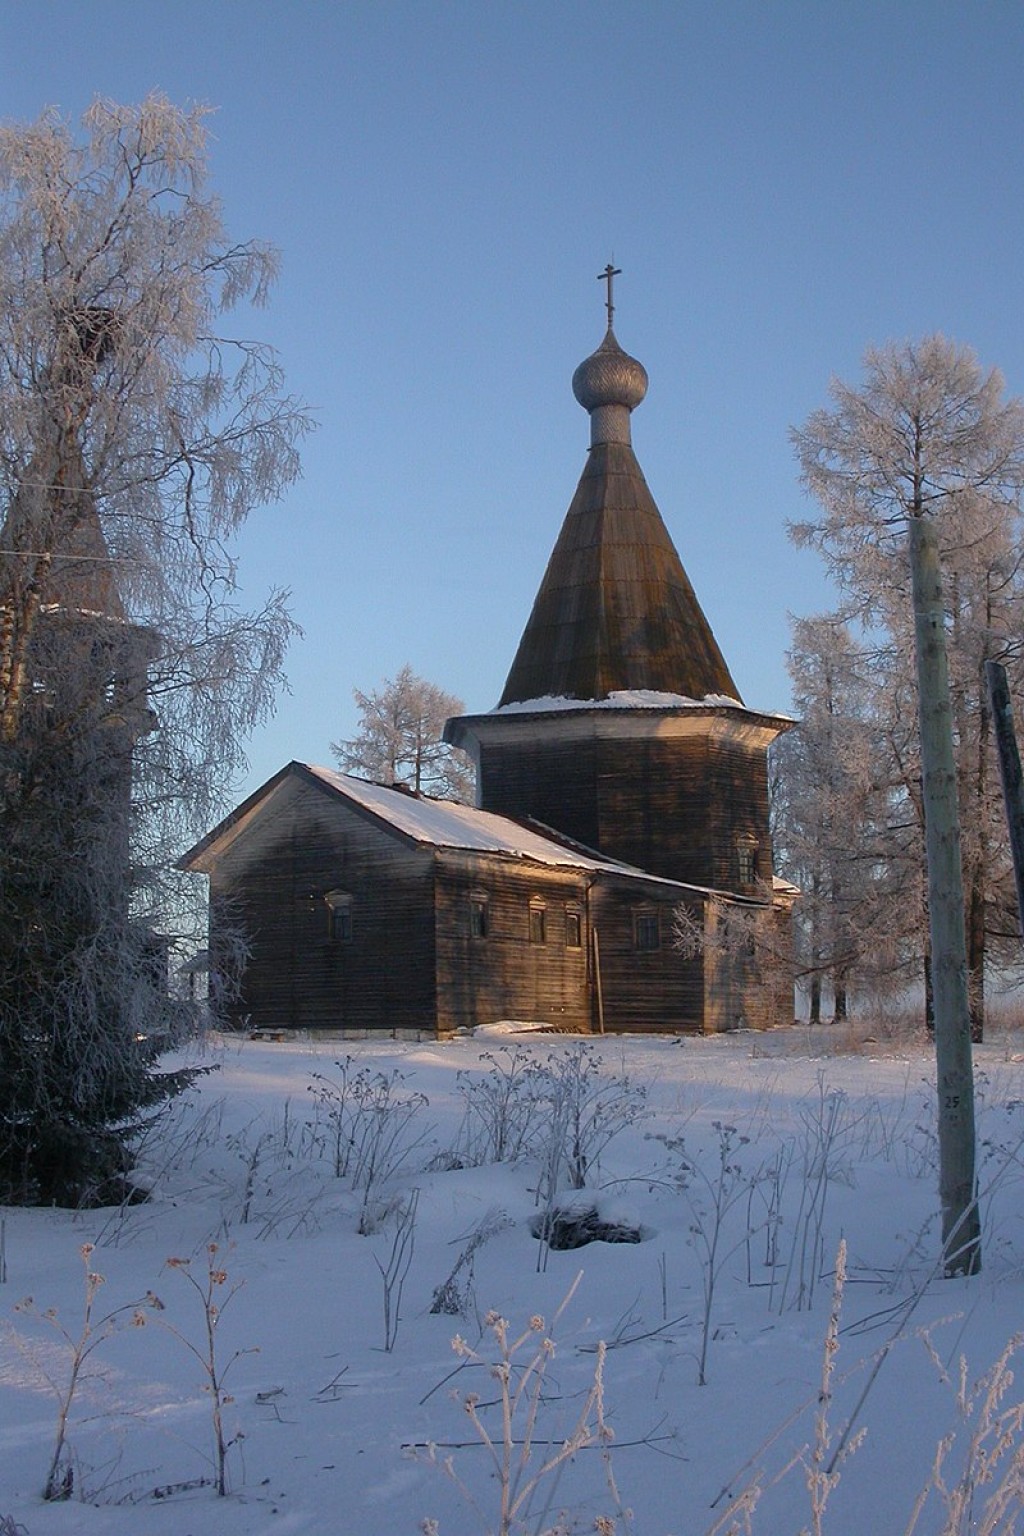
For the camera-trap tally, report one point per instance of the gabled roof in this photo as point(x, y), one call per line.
point(424, 822)
point(615, 611)
point(448, 824)
point(417, 819)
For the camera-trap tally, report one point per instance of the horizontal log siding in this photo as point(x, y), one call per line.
point(553, 781)
point(747, 991)
point(647, 991)
point(676, 808)
point(297, 977)
point(503, 975)
point(737, 791)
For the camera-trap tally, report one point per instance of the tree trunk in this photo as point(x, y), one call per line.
point(1009, 772)
point(977, 894)
point(976, 956)
point(961, 1234)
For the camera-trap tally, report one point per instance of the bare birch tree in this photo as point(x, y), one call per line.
point(136, 433)
point(399, 741)
point(897, 466)
point(830, 823)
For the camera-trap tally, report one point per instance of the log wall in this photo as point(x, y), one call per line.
point(505, 973)
point(272, 882)
point(649, 990)
point(675, 808)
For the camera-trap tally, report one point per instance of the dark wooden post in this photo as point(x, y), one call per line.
point(1009, 772)
point(597, 981)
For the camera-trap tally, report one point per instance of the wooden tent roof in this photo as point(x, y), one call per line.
point(82, 577)
point(615, 611)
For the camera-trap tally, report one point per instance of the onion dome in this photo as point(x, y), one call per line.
point(609, 384)
point(609, 376)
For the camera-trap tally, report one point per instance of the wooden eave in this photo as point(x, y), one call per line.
point(474, 858)
point(616, 610)
point(582, 720)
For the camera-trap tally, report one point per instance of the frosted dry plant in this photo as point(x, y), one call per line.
point(499, 1114)
point(590, 1107)
point(527, 1455)
point(373, 1127)
point(986, 1496)
point(825, 1158)
point(395, 1268)
point(271, 1186)
point(820, 1459)
point(78, 1348)
point(214, 1293)
point(455, 1295)
point(712, 1194)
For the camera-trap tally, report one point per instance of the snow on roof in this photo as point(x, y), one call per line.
point(447, 824)
point(635, 698)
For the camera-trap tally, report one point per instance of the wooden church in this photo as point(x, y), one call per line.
point(620, 782)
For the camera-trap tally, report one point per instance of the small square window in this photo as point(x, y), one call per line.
point(478, 917)
point(646, 930)
point(538, 924)
point(573, 929)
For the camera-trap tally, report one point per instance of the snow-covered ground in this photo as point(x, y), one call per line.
point(800, 1145)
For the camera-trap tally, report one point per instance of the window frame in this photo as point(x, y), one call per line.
point(646, 930)
point(746, 861)
point(479, 917)
point(340, 926)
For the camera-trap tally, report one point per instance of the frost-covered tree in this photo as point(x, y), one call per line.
point(136, 433)
point(829, 819)
point(979, 528)
point(400, 738)
point(915, 472)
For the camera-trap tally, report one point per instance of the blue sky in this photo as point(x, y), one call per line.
point(782, 184)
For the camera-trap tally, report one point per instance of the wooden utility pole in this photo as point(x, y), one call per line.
point(961, 1229)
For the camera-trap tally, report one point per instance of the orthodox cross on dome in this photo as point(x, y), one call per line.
point(607, 276)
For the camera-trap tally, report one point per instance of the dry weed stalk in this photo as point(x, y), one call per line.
point(393, 1273)
point(60, 1477)
point(522, 1477)
point(994, 1458)
point(208, 1290)
point(821, 1470)
point(820, 1461)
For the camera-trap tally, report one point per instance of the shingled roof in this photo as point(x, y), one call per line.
point(615, 611)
